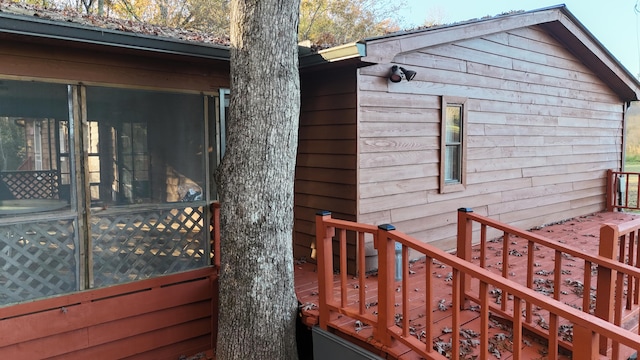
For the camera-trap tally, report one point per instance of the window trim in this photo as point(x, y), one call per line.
point(462, 184)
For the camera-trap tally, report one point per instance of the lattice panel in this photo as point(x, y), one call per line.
point(37, 260)
point(139, 245)
point(32, 184)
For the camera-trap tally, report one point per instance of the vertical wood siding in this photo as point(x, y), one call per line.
point(542, 131)
point(326, 161)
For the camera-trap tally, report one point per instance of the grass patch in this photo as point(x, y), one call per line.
point(633, 181)
point(632, 166)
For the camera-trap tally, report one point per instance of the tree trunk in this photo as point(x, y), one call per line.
point(258, 306)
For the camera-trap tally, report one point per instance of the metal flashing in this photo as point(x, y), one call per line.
point(353, 50)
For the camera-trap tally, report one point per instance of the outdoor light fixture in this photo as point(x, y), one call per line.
point(409, 74)
point(398, 73)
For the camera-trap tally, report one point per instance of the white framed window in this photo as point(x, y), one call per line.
point(453, 144)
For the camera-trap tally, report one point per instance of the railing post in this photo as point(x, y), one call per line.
point(465, 233)
point(215, 222)
point(585, 343)
point(605, 282)
point(611, 195)
point(324, 236)
point(386, 283)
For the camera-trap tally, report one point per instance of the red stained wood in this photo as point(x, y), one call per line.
point(167, 317)
point(408, 296)
point(78, 316)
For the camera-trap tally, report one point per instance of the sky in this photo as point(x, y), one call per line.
point(614, 23)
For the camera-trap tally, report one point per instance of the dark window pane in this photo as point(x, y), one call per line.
point(452, 163)
point(156, 148)
point(33, 138)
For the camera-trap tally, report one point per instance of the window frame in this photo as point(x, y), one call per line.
point(461, 184)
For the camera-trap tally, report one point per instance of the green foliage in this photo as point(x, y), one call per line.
point(12, 144)
point(633, 135)
point(632, 167)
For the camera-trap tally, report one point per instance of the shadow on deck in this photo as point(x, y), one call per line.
point(425, 304)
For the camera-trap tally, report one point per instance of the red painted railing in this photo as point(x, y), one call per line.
point(470, 283)
point(166, 317)
point(622, 190)
point(609, 294)
point(215, 233)
point(619, 243)
point(326, 228)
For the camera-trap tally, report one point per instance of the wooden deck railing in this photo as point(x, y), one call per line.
point(469, 283)
point(622, 190)
point(326, 228)
point(215, 233)
point(618, 242)
point(167, 317)
point(606, 300)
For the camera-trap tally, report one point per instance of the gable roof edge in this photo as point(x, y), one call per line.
point(558, 20)
point(596, 56)
point(385, 49)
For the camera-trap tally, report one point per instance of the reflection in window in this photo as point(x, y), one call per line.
point(218, 110)
point(147, 147)
point(38, 254)
point(33, 134)
point(142, 156)
point(453, 144)
point(147, 170)
point(452, 161)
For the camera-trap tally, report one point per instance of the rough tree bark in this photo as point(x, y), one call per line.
point(258, 306)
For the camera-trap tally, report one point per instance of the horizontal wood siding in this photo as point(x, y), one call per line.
point(102, 65)
point(542, 131)
point(327, 154)
point(160, 318)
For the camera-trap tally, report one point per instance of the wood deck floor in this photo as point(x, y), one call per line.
point(581, 232)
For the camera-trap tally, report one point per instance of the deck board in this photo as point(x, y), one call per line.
point(582, 232)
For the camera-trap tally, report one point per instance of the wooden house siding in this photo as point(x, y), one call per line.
point(327, 153)
point(94, 65)
point(542, 130)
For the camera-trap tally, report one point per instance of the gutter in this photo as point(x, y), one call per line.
point(355, 50)
point(67, 31)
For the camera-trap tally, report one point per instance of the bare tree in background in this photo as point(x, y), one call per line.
point(335, 22)
point(323, 22)
point(258, 306)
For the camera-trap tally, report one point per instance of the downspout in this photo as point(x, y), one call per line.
point(625, 111)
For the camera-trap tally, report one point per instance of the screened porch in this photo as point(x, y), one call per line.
point(103, 185)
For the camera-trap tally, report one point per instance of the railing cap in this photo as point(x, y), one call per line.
point(387, 227)
point(467, 210)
